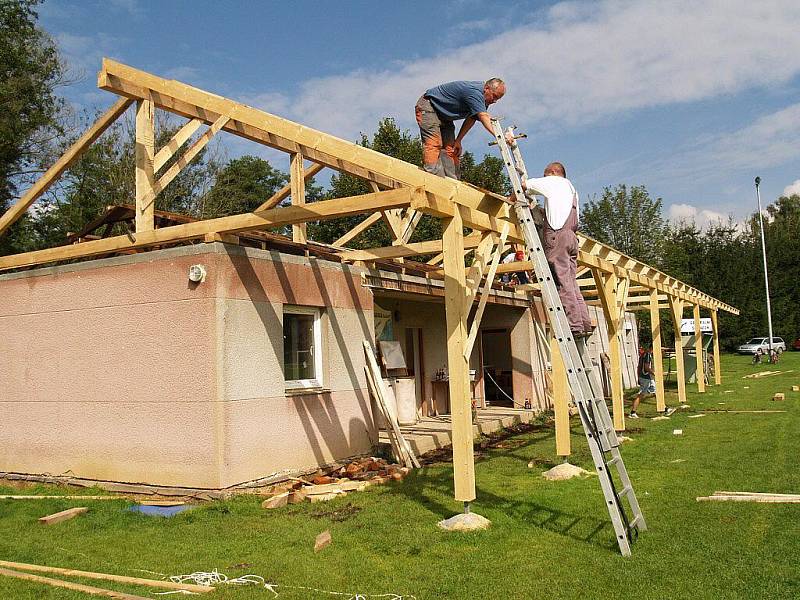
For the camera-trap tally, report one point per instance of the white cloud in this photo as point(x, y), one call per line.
point(688, 213)
point(84, 53)
point(792, 189)
point(581, 62)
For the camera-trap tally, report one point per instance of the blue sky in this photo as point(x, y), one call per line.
point(691, 99)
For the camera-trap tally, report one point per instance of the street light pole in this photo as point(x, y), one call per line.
point(764, 254)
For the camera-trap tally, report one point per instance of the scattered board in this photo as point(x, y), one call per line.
point(751, 497)
point(166, 585)
point(78, 587)
point(64, 515)
point(323, 540)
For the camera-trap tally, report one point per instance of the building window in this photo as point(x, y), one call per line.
point(302, 347)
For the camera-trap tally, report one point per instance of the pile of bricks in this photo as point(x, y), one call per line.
point(341, 480)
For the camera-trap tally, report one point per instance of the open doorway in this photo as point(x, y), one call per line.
point(497, 367)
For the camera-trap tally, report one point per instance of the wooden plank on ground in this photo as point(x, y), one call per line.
point(154, 583)
point(64, 515)
point(77, 587)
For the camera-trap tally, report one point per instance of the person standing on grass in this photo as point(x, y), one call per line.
point(436, 110)
point(560, 241)
point(647, 381)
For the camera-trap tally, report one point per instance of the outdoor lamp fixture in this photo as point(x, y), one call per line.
point(764, 253)
point(197, 273)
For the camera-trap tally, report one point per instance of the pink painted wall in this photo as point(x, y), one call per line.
point(122, 370)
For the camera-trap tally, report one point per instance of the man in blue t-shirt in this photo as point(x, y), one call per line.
point(436, 110)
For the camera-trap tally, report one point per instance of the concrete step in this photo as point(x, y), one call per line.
point(431, 433)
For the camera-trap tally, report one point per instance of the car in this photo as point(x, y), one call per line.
point(796, 345)
point(762, 343)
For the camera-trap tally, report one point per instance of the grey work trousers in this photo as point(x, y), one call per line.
point(561, 250)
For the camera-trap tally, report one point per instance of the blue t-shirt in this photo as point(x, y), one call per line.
point(458, 99)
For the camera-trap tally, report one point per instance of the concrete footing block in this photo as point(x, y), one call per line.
point(465, 522)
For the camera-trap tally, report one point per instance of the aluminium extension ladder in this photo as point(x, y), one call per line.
point(584, 382)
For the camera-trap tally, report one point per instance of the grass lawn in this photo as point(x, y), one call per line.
point(548, 540)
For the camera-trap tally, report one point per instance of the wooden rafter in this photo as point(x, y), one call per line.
point(179, 139)
point(288, 136)
point(62, 164)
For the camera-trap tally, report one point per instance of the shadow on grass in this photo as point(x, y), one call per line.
point(427, 487)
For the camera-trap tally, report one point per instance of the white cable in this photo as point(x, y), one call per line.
point(501, 389)
point(210, 578)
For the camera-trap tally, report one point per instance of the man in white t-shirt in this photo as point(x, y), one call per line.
point(561, 242)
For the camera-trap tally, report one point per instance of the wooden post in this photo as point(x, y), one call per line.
point(297, 184)
point(456, 311)
point(658, 360)
point(561, 396)
point(700, 373)
point(717, 365)
point(676, 308)
point(613, 295)
point(145, 156)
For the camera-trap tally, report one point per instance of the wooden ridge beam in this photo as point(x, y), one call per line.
point(74, 152)
point(288, 136)
point(274, 217)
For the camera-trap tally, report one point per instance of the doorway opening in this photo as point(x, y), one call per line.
point(497, 367)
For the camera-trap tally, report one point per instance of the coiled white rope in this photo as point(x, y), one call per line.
point(211, 578)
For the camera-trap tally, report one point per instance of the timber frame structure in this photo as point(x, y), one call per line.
point(401, 194)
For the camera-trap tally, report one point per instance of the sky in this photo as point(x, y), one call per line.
point(690, 99)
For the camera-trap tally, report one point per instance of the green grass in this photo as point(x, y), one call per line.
point(548, 540)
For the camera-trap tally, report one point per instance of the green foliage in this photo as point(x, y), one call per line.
point(627, 219)
point(489, 174)
point(241, 186)
point(30, 70)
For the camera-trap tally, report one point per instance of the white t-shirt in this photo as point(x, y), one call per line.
point(557, 192)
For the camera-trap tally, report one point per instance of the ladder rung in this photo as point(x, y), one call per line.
point(625, 491)
point(613, 461)
point(636, 521)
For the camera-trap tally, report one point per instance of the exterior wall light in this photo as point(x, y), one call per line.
point(197, 273)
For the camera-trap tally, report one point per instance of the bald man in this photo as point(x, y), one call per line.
point(436, 110)
point(560, 241)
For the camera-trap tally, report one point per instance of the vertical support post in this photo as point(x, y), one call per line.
point(297, 185)
point(658, 360)
point(717, 365)
point(456, 312)
point(145, 155)
point(700, 374)
point(676, 308)
point(561, 396)
point(613, 292)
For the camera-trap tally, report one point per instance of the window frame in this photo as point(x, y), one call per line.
point(317, 382)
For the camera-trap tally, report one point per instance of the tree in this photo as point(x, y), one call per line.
point(30, 70)
point(241, 186)
point(627, 219)
point(104, 176)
